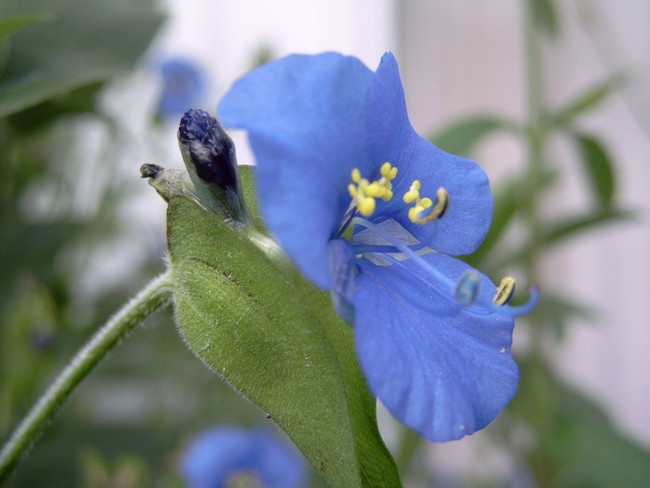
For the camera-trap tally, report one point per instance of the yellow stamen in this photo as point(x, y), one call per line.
point(367, 206)
point(505, 291)
point(413, 193)
point(422, 212)
point(364, 192)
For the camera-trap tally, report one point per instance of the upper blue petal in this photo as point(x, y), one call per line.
point(392, 138)
point(437, 367)
point(306, 122)
point(311, 120)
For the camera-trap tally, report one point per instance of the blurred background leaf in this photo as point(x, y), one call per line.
point(464, 135)
point(86, 42)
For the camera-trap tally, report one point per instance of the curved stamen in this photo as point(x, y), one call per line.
point(505, 291)
point(479, 306)
point(425, 210)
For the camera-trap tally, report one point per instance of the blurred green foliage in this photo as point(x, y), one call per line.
point(55, 59)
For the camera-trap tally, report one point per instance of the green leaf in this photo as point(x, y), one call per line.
point(575, 443)
point(463, 136)
point(586, 101)
point(89, 41)
point(568, 226)
point(247, 177)
point(9, 25)
point(507, 201)
point(277, 341)
point(598, 168)
point(562, 229)
point(557, 312)
point(582, 447)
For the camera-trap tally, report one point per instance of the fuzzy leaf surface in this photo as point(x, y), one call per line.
point(272, 338)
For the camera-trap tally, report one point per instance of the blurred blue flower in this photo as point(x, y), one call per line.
point(225, 457)
point(370, 210)
point(183, 86)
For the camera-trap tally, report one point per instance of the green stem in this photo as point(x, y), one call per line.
point(536, 142)
point(536, 138)
point(154, 296)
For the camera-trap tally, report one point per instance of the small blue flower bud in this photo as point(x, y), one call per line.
point(209, 156)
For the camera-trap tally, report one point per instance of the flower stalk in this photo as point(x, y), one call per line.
point(535, 137)
point(154, 296)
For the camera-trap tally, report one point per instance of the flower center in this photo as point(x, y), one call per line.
point(363, 192)
point(465, 291)
point(243, 479)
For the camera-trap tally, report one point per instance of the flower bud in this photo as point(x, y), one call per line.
point(209, 156)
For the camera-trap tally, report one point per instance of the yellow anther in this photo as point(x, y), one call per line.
point(425, 202)
point(388, 171)
point(424, 210)
point(413, 194)
point(414, 212)
point(374, 189)
point(364, 192)
point(366, 206)
point(505, 291)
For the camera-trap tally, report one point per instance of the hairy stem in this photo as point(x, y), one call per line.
point(152, 297)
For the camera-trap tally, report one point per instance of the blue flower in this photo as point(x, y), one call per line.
point(230, 456)
point(183, 87)
point(368, 209)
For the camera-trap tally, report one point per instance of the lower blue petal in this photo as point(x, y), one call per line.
point(440, 369)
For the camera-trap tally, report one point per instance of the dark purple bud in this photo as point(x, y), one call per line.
point(209, 156)
point(211, 151)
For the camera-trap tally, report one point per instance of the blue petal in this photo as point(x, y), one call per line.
point(184, 85)
point(219, 453)
point(306, 118)
point(280, 464)
point(438, 368)
point(215, 454)
point(343, 271)
point(468, 217)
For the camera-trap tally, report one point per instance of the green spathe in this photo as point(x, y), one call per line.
point(275, 339)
